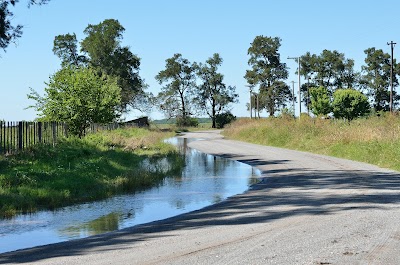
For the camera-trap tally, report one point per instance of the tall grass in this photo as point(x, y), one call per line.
point(374, 140)
point(80, 170)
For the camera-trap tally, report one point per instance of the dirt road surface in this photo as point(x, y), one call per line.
point(307, 209)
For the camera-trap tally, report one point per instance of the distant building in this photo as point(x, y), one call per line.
point(140, 122)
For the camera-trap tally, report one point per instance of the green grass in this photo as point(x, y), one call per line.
point(81, 170)
point(375, 140)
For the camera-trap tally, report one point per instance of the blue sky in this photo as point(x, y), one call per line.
point(156, 29)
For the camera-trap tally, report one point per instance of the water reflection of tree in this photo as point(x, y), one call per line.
point(106, 223)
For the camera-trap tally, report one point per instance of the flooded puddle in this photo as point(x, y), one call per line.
point(205, 180)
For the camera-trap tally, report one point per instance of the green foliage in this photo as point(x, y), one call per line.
point(349, 104)
point(212, 95)
point(187, 122)
point(81, 170)
point(320, 101)
point(66, 48)
point(103, 51)
point(376, 78)
point(223, 119)
point(79, 97)
point(330, 69)
point(176, 95)
point(268, 72)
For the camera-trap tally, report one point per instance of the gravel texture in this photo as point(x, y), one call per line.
point(307, 209)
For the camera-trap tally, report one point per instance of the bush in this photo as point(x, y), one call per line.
point(349, 104)
point(187, 122)
point(223, 119)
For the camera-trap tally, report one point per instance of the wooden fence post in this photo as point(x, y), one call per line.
point(40, 131)
point(54, 128)
point(20, 135)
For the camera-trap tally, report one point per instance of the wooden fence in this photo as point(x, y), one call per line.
point(15, 136)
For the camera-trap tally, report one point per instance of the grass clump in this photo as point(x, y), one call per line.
point(375, 140)
point(81, 170)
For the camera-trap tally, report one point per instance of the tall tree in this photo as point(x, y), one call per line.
point(66, 48)
point(102, 50)
point(268, 71)
point(176, 95)
point(275, 97)
point(376, 78)
point(8, 32)
point(212, 95)
point(330, 69)
point(79, 96)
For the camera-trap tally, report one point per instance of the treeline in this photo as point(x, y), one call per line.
point(332, 84)
point(99, 80)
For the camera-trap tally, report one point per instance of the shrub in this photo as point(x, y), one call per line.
point(349, 104)
point(223, 119)
point(187, 122)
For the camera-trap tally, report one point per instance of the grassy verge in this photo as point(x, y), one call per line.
point(81, 170)
point(375, 140)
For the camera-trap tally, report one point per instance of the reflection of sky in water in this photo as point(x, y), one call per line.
point(205, 180)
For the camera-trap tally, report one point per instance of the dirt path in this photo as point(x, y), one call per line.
point(309, 209)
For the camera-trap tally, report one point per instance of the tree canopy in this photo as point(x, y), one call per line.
point(268, 72)
point(102, 50)
point(212, 95)
point(330, 69)
point(176, 95)
point(79, 96)
point(376, 78)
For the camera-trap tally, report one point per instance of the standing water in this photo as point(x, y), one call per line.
point(205, 180)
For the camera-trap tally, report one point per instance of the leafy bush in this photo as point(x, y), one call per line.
point(320, 101)
point(223, 119)
point(349, 104)
point(187, 122)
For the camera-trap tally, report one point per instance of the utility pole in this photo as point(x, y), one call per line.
point(293, 96)
point(308, 95)
point(391, 76)
point(258, 110)
point(298, 72)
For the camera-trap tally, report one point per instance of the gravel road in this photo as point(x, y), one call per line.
point(307, 209)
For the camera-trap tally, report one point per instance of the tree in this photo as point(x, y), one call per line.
point(8, 32)
point(320, 101)
point(176, 95)
point(349, 104)
point(330, 69)
point(376, 78)
point(275, 97)
point(212, 95)
point(268, 71)
point(79, 96)
point(66, 48)
point(102, 50)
